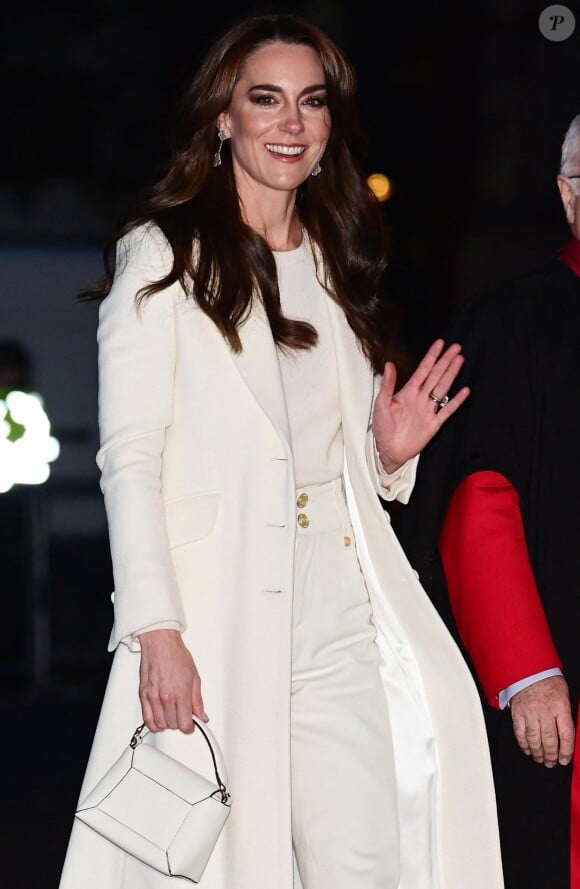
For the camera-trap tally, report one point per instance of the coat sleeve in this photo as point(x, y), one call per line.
point(485, 536)
point(491, 585)
point(136, 346)
point(397, 485)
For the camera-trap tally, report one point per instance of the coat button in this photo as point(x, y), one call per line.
point(347, 541)
point(301, 500)
point(303, 520)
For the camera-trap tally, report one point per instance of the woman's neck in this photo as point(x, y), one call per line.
point(275, 220)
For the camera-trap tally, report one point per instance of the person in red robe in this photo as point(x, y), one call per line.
point(493, 528)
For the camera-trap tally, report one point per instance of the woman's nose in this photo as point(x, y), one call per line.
point(292, 122)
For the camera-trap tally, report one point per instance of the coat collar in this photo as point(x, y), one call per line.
point(570, 254)
point(355, 377)
point(259, 367)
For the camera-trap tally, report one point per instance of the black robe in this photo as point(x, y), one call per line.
point(522, 419)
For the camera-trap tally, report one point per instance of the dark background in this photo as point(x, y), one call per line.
point(465, 104)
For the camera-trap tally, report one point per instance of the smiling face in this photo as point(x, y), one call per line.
point(278, 119)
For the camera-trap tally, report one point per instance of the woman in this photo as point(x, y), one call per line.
point(241, 461)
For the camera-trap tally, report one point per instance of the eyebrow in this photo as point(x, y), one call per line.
point(273, 88)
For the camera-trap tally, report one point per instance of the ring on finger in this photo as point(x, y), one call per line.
point(441, 402)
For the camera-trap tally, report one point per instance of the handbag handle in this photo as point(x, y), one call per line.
point(142, 731)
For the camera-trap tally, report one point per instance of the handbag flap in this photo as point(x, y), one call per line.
point(155, 764)
point(176, 777)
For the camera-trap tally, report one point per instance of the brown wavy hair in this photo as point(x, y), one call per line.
point(195, 203)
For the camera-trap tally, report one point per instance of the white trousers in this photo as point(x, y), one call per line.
point(344, 808)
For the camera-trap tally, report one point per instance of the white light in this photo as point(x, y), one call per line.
point(25, 461)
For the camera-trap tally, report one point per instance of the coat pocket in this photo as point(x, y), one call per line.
point(191, 518)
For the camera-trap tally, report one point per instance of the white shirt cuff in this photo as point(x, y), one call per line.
point(507, 694)
point(132, 641)
point(396, 485)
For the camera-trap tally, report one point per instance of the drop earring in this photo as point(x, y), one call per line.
point(217, 158)
point(316, 170)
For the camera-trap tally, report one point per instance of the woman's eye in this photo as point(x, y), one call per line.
point(316, 101)
point(263, 99)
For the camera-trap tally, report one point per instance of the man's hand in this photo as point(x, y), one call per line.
point(543, 723)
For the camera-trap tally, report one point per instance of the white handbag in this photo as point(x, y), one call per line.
point(158, 810)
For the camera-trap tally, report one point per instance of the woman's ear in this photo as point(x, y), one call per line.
point(223, 125)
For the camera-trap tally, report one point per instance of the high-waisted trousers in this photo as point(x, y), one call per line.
point(344, 807)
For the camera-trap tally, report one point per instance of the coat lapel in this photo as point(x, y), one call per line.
point(259, 367)
point(355, 377)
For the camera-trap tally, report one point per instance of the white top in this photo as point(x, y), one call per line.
point(310, 376)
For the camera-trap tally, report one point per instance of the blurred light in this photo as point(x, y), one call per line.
point(24, 458)
point(381, 185)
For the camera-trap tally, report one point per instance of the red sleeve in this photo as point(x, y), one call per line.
point(492, 591)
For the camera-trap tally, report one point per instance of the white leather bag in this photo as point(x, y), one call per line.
point(158, 810)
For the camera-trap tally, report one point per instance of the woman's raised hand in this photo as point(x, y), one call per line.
point(404, 421)
point(169, 684)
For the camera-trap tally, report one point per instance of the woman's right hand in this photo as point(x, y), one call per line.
point(169, 684)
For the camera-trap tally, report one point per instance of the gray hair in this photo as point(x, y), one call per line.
point(571, 148)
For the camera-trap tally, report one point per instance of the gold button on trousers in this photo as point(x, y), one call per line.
point(344, 808)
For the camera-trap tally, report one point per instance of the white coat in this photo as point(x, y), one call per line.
point(197, 473)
